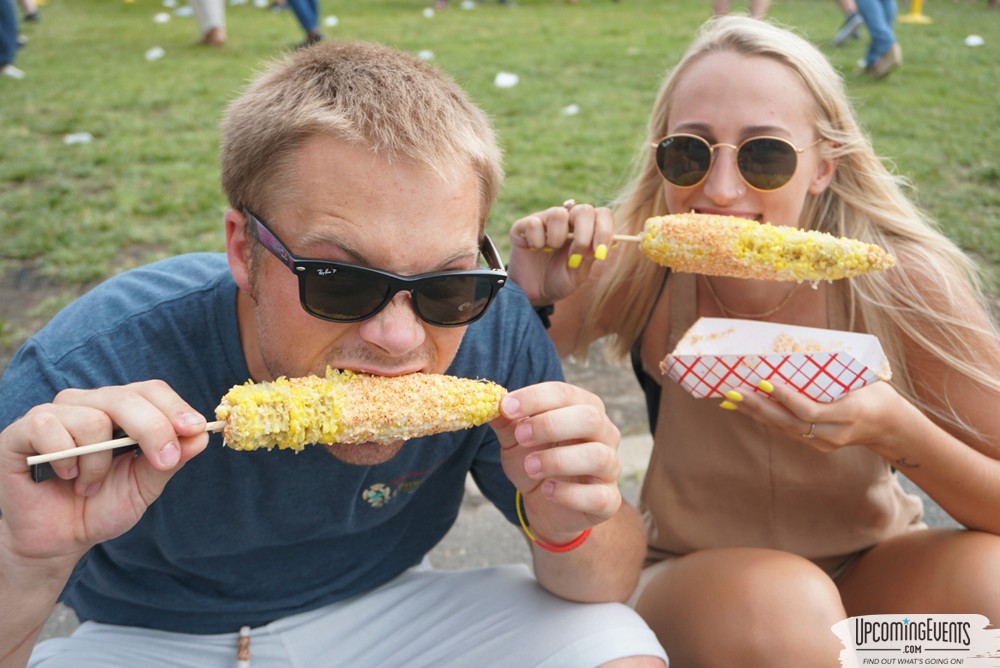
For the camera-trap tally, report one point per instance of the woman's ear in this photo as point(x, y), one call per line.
point(825, 169)
point(239, 242)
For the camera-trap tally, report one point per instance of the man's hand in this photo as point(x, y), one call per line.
point(561, 450)
point(95, 497)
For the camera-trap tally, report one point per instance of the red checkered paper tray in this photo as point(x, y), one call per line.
point(720, 354)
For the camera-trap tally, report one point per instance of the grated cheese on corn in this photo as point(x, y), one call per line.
point(348, 407)
point(743, 248)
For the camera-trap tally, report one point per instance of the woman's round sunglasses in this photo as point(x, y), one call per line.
point(342, 292)
point(765, 163)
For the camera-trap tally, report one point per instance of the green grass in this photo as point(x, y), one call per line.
point(147, 186)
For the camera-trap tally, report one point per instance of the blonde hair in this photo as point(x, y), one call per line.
point(934, 298)
point(361, 93)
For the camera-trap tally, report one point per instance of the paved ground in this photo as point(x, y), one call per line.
point(482, 537)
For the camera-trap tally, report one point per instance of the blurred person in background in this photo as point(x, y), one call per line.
point(758, 8)
point(9, 43)
point(307, 12)
point(211, 17)
point(884, 54)
point(30, 9)
point(851, 26)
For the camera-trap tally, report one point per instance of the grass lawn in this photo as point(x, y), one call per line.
point(146, 186)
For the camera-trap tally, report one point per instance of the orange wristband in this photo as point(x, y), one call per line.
point(521, 517)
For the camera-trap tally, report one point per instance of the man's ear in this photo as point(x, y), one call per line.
point(239, 242)
point(825, 170)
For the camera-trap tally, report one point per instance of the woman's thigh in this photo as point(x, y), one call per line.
point(772, 609)
point(943, 571)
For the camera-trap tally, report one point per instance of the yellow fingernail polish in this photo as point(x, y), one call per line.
point(601, 252)
point(574, 260)
point(728, 405)
point(765, 386)
point(733, 395)
point(547, 249)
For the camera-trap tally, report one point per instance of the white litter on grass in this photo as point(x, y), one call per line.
point(974, 40)
point(169, 3)
point(468, 4)
point(184, 11)
point(571, 110)
point(331, 21)
point(155, 53)
point(426, 54)
point(428, 13)
point(505, 80)
point(260, 4)
point(78, 138)
point(162, 17)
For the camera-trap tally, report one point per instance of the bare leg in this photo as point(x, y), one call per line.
point(211, 17)
point(936, 571)
point(30, 9)
point(758, 8)
point(744, 607)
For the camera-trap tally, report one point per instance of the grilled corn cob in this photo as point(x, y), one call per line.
point(348, 407)
point(742, 248)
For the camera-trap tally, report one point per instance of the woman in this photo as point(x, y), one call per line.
point(771, 517)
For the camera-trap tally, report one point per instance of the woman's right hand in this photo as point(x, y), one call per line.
point(553, 251)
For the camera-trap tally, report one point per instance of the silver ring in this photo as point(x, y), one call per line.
point(569, 204)
point(812, 431)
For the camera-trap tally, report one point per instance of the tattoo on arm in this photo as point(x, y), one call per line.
point(902, 463)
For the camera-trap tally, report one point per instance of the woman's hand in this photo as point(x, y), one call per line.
point(869, 416)
point(546, 262)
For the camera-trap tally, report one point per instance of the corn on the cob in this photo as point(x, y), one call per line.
point(742, 248)
point(348, 407)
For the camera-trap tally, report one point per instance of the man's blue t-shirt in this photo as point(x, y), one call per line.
point(243, 538)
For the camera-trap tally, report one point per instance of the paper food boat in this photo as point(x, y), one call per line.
point(719, 354)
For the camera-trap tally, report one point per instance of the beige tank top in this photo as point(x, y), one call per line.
point(717, 478)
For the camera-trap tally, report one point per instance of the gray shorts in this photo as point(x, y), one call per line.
point(479, 617)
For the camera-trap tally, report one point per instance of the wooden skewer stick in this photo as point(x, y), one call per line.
point(218, 425)
point(619, 237)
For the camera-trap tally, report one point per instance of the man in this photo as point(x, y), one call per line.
point(343, 153)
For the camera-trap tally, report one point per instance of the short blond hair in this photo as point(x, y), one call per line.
point(363, 94)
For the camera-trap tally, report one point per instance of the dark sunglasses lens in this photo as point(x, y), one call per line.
point(683, 161)
point(343, 293)
point(453, 300)
point(767, 164)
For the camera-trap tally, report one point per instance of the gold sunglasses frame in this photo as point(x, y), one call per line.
point(736, 147)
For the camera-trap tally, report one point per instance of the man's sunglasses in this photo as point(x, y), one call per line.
point(342, 292)
point(765, 163)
